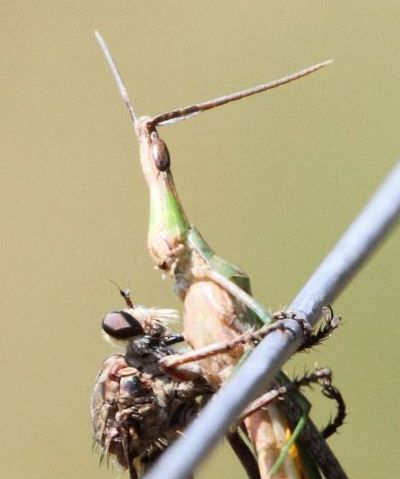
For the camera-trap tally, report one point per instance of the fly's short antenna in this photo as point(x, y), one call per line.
point(125, 293)
point(118, 79)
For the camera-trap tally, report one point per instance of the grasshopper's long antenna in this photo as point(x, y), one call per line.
point(192, 110)
point(118, 79)
point(189, 111)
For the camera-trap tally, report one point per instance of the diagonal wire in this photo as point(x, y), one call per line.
point(343, 261)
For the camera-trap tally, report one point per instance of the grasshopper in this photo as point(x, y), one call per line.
point(218, 306)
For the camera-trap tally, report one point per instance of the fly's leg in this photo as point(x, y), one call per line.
point(332, 392)
point(171, 339)
point(171, 364)
point(318, 335)
point(322, 376)
point(128, 459)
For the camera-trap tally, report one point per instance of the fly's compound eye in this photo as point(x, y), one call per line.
point(159, 152)
point(121, 325)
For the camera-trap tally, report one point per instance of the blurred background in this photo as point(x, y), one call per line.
point(271, 182)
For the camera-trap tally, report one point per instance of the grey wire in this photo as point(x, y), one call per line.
point(355, 246)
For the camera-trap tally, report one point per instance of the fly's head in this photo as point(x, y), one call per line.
point(121, 327)
point(131, 324)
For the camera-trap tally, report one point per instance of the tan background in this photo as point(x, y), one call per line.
point(271, 182)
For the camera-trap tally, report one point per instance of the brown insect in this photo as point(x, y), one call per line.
point(137, 410)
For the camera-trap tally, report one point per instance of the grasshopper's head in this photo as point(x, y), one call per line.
point(156, 149)
point(169, 227)
point(154, 154)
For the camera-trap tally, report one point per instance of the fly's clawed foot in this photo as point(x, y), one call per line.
point(302, 322)
point(312, 336)
point(323, 330)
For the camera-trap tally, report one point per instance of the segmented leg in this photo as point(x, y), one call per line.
point(321, 376)
point(329, 323)
point(332, 392)
point(171, 363)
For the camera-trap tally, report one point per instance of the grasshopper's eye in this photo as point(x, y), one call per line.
point(121, 325)
point(159, 152)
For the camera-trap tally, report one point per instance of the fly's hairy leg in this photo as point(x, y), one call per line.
point(249, 338)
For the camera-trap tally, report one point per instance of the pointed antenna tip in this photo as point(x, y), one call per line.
point(320, 65)
point(117, 77)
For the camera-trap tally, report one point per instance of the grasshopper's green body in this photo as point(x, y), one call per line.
point(211, 312)
point(229, 270)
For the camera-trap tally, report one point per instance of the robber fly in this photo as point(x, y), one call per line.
point(137, 410)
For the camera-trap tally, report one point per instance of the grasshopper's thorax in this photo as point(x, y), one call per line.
point(168, 225)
